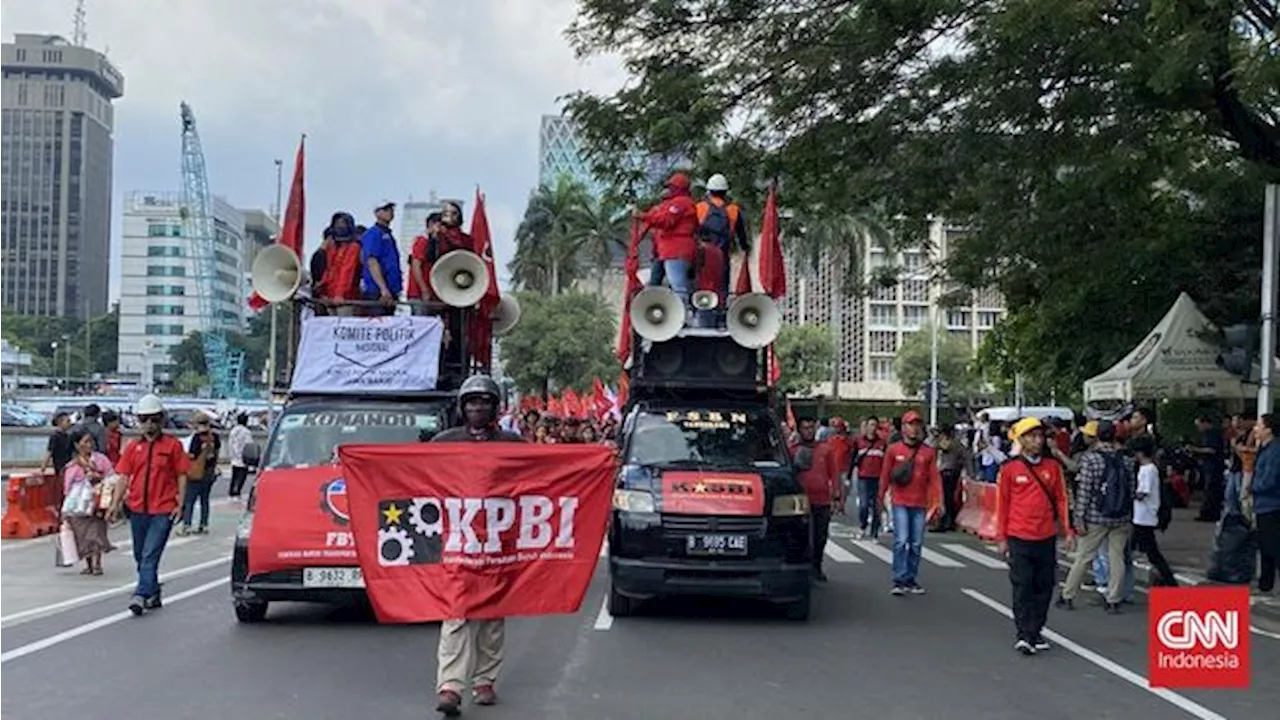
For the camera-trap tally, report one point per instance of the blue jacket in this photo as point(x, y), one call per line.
point(1266, 479)
point(378, 242)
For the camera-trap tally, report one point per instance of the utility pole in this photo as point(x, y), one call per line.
point(1270, 259)
point(88, 343)
point(837, 333)
point(271, 349)
point(936, 297)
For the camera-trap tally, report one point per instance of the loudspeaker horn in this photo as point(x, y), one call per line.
point(505, 315)
point(706, 300)
point(657, 314)
point(754, 320)
point(460, 278)
point(277, 273)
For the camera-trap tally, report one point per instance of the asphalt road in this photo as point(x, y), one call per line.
point(865, 653)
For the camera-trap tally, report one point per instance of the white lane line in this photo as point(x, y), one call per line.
point(982, 559)
point(1264, 633)
point(19, 617)
point(87, 628)
point(1173, 698)
point(46, 540)
point(840, 555)
point(604, 549)
point(876, 549)
point(938, 558)
point(604, 620)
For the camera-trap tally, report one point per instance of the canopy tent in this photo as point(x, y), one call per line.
point(1174, 361)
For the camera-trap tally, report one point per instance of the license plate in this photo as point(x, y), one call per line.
point(332, 577)
point(716, 544)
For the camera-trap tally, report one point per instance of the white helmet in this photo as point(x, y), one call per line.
point(717, 183)
point(148, 405)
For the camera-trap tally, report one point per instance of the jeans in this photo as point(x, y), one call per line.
point(1033, 566)
point(908, 538)
point(868, 489)
point(950, 498)
point(150, 533)
point(197, 490)
point(1102, 572)
point(239, 474)
point(676, 273)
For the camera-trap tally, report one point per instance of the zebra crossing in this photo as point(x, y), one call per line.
point(950, 555)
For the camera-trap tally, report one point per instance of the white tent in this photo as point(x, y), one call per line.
point(1174, 361)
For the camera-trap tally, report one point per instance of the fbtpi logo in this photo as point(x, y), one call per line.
point(1198, 637)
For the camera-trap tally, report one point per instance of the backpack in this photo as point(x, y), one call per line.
point(251, 454)
point(1115, 495)
point(716, 223)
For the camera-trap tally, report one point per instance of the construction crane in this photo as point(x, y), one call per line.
point(222, 362)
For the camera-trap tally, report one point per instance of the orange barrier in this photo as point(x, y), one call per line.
point(34, 505)
point(978, 513)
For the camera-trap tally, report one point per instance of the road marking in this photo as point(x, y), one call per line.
point(1265, 633)
point(604, 549)
point(45, 540)
point(840, 555)
point(1107, 664)
point(982, 559)
point(604, 620)
point(87, 628)
point(55, 608)
point(938, 558)
point(876, 549)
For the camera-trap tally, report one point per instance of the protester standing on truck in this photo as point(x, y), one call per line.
point(910, 472)
point(820, 477)
point(380, 258)
point(721, 219)
point(471, 650)
point(674, 220)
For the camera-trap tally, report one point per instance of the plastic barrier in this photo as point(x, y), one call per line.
point(978, 513)
point(34, 503)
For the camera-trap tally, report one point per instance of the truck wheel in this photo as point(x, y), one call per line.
point(799, 609)
point(251, 611)
point(620, 605)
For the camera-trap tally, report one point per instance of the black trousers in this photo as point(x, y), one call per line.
point(1033, 568)
point(238, 476)
point(821, 530)
point(1269, 548)
point(1215, 489)
point(950, 498)
point(1144, 540)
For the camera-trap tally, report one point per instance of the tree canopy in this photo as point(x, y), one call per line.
point(913, 364)
point(804, 354)
point(1101, 156)
point(561, 341)
point(565, 233)
point(36, 335)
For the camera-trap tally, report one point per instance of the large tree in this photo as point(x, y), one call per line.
point(562, 341)
point(913, 364)
point(804, 354)
point(1103, 156)
point(565, 234)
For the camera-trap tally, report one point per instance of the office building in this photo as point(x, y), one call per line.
point(55, 176)
point(412, 217)
point(560, 155)
point(160, 281)
point(260, 230)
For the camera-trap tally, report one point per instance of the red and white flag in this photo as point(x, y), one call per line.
point(482, 328)
point(763, 270)
point(291, 232)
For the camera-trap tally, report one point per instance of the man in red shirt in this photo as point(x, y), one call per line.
point(819, 476)
point(153, 473)
point(675, 219)
point(911, 471)
point(1031, 512)
point(864, 472)
point(424, 253)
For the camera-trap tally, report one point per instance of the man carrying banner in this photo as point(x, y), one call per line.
point(472, 647)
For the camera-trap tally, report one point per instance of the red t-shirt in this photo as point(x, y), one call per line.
point(870, 455)
point(821, 479)
point(153, 467)
point(925, 488)
point(419, 253)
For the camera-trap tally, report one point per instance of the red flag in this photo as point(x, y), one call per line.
point(600, 398)
point(624, 390)
point(482, 328)
point(295, 213)
point(775, 370)
point(572, 404)
point(632, 267)
point(791, 417)
point(555, 408)
point(763, 268)
point(445, 532)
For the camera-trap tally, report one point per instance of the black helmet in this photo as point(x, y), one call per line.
point(479, 385)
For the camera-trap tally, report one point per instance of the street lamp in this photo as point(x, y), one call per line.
point(54, 346)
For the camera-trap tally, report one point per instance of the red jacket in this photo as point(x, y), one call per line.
point(821, 481)
point(675, 221)
point(1023, 510)
point(870, 454)
point(153, 467)
point(925, 488)
point(342, 267)
point(842, 447)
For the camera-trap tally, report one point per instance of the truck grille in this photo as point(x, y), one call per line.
point(679, 526)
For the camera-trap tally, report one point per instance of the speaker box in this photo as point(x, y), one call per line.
point(698, 361)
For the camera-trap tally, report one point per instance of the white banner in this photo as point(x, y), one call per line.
point(363, 354)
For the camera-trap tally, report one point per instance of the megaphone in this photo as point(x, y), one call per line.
point(277, 273)
point(706, 300)
point(657, 314)
point(505, 315)
point(753, 320)
point(460, 278)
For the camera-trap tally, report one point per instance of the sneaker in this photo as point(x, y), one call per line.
point(915, 589)
point(1064, 603)
point(1040, 644)
point(1088, 586)
point(153, 602)
point(449, 703)
point(861, 534)
point(1113, 608)
point(1025, 648)
point(898, 590)
point(137, 605)
point(181, 530)
point(202, 530)
point(484, 695)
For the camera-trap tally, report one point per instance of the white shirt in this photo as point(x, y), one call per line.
point(1146, 511)
point(240, 437)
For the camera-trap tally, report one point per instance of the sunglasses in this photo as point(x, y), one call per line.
point(150, 418)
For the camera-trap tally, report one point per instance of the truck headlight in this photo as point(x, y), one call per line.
point(791, 505)
point(637, 501)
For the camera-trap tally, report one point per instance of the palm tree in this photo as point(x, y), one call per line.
point(840, 239)
point(550, 237)
point(604, 225)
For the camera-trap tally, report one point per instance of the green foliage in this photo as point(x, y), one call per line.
point(1103, 157)
point(913, 364)
point(564, 234)
point(562, 341)
point(190, 383)
point(188, 355)
point(804, 354)
point(36, 334)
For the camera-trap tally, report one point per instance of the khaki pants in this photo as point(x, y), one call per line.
point(1086, 547)
point(469, 650)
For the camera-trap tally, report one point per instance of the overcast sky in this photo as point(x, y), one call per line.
point(397, 97)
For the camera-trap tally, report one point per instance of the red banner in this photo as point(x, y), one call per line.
point(448, 531)
point(300, 518)
point(708, 493)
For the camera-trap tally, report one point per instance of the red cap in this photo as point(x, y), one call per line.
point(911, 416)
point(678, 180)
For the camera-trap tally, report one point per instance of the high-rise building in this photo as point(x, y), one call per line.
point(412, 217)
point(55, 183)
point(159, 305)
point(560, 154)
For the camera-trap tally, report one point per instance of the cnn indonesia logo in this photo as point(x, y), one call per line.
point(1199, 637)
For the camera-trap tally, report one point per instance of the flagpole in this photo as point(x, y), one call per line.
point(271, 350)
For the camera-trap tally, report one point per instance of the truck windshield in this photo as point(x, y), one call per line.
point(705, 436)
point(309, 434)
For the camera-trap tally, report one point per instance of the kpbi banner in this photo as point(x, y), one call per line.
point(455, 530)
point(368, 354)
